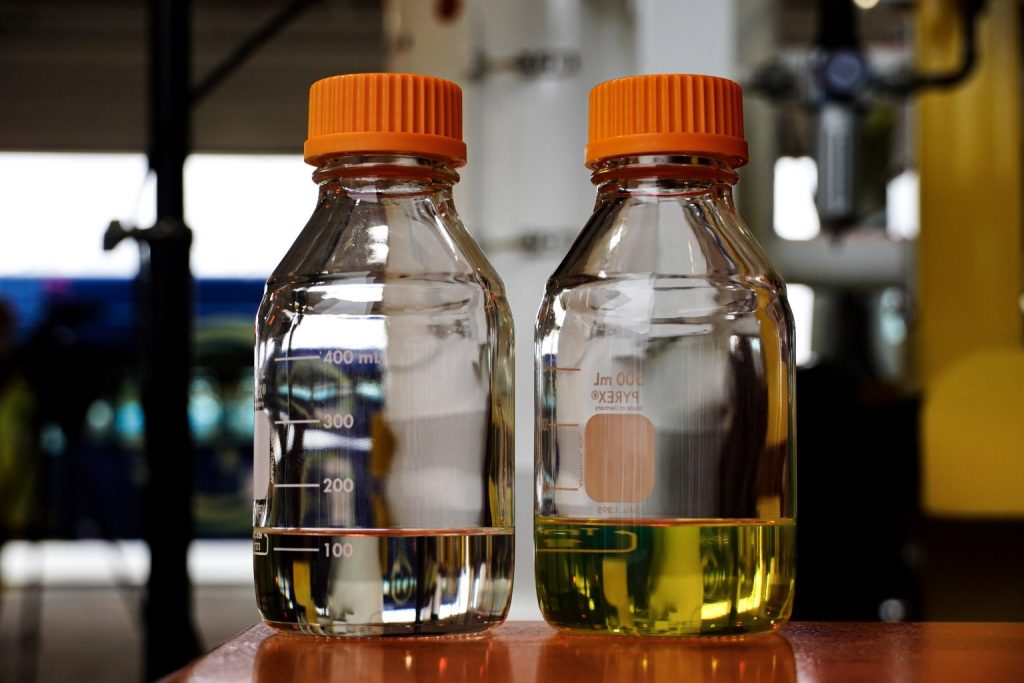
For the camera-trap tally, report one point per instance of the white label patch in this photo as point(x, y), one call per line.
point(260, 455)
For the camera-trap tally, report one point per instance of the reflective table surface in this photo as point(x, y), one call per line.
point(531, 651)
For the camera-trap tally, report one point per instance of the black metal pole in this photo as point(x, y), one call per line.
point(237, 57)
point(165, 330)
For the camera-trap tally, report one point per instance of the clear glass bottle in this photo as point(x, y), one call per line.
point(665, 444)
point(384, 388)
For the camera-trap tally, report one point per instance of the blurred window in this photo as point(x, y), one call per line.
point(55, 208)
point(796, 181)
point(801, 300)
point(902, 206)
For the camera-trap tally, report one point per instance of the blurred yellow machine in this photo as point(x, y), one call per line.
point(970, 356)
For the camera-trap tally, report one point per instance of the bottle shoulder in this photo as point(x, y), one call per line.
point(385, 241)
point(655, 297)
point(697, 238)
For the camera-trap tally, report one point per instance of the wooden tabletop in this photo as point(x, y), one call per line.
point(531, 651)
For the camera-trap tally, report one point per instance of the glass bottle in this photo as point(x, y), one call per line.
point(665, 444)
point(384, 394)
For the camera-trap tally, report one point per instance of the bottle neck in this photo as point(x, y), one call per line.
point(392, 175)
point(663, 175)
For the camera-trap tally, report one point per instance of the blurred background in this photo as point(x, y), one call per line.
point(885, 184)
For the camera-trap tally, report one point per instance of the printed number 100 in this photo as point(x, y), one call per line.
point(338, 549)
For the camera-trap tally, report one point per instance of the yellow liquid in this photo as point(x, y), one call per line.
point(665, 576)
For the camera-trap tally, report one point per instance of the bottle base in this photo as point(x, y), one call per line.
point(676, 578)
point(383, 583)
point(716, 632)
point(345, 630)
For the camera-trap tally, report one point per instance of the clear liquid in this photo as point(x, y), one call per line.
point(665, 577)
point(383, 582)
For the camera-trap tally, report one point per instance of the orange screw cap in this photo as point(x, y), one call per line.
point(667, 114)
point(385, 113)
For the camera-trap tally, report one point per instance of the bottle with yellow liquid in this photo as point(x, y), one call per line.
point(665, 453)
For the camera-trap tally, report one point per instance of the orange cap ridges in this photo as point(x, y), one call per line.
point(667, 114)
point(385, 113)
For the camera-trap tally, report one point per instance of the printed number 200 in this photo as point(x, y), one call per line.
point(338, 485)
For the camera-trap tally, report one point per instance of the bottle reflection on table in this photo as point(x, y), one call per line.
point(602, 659)
point(425, 660)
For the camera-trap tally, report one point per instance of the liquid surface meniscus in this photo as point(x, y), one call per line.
point(670, 577)
point(383, 582)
